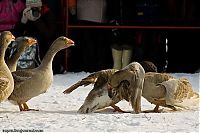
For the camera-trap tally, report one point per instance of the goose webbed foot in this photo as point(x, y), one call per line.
point(30, 110)
point(24, 107)
point(171, 107)
point(117, 109)
point(155, 110)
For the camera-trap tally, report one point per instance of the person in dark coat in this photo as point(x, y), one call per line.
point(40, 22)
point(121, 12)
point(10, 15)
point(91, 44)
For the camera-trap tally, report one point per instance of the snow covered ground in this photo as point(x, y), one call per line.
point(58, 112)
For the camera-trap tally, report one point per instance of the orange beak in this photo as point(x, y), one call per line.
point(13, 38)
point(69, 41)
point(32, 41)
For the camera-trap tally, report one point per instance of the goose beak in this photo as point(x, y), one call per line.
point(12, 38)
point(70, 42)
point(32, 41)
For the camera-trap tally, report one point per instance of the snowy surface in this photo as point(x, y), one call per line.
point(58, 112)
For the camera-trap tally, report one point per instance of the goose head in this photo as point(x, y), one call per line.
point(27, 41)
point(24, 42)
point(62, 42)
point(6, 37)
point(149, 66)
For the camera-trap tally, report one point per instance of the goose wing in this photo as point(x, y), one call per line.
point(97, 78)
point(4, 84)
point(21, 76)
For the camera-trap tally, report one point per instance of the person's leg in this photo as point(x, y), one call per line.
point(126, 57)
point(117, 58)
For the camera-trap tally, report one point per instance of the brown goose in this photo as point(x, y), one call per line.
point(6, 79)
point(127, 84)
point(22, 43)
point(164, 90)
point(33, 82)
point(160, 89)
point(98, 97)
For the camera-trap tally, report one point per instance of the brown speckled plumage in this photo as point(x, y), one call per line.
point(98, 97)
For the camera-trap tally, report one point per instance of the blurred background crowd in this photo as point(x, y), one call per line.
point(171, 50)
